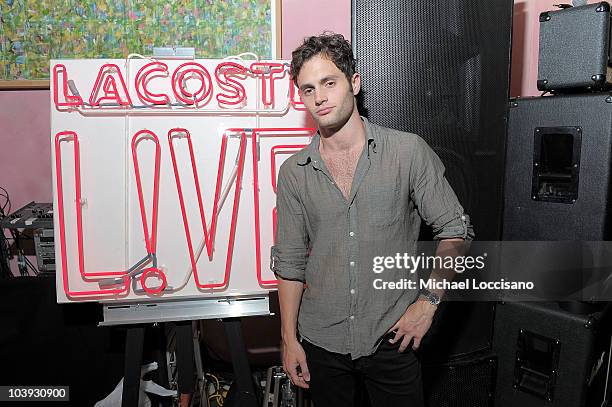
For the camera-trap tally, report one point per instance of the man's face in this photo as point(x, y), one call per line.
point(326, 93)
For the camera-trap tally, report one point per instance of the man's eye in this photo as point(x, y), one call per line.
point(330, 83)
point(307, 92)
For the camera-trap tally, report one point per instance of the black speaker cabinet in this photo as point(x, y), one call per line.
point(467, 382)
point(550, 357)
point(459, 329)
point(440, 68)
point(574, 48)
point(558, 162)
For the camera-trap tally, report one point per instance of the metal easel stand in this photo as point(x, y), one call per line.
point(242, 392)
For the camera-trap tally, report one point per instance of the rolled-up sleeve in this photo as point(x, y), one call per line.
point(289, 254)
point(433, 196)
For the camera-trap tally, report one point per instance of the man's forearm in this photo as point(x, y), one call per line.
point(447, 247)
point(417, 319)
point(289, 298)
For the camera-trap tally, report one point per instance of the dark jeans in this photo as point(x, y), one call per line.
point(390, 378)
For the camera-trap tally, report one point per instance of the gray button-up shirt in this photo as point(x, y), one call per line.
point(330, 242)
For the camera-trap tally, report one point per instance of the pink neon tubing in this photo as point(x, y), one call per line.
point(147, 96)
point(297, 104)
point(275, 67)
point(234, 68)
point(273, 177)
point(79, 217)
point(209, 236)
point(71, 100)
point(117, 98)
point(72, 136)
point(273, 159)
point(255, 132)
point(204, 74)
point(152, 270)
point(150, 240)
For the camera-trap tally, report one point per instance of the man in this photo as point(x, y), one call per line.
point(357, 192)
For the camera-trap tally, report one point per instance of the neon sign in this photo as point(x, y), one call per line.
point(220, 87)
point(110, 88)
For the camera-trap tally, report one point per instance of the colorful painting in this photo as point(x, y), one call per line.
point(34, 31)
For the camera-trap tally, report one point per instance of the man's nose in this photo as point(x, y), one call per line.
point(320, 98)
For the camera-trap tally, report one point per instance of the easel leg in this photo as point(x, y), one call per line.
point(244, 394)
point(133, 361)
point(204, 402)
point(160, 376)
point(185, 361)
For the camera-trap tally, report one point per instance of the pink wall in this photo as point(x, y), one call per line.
point(25, 147)
point(303, 18)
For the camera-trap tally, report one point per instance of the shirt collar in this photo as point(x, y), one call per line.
point(311, 153)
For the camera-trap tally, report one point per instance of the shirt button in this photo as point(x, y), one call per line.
point(352, 316)
point(352, 264)
point(352, 291)
point(351, 234)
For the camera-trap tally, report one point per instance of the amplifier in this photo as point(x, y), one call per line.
point(574, 48)
point(37, 218)
point(34, 215)
point(44, 246)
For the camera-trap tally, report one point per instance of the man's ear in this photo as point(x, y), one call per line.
point(356, 83)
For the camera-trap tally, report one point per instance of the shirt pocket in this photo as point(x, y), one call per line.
point(383, 202)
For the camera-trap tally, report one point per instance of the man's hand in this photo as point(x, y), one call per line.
point(413, 324)
point(294, 363)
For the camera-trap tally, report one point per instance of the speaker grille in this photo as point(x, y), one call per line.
point(468, 383)
point(441, 69)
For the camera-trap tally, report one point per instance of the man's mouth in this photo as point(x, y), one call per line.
point(324, 111)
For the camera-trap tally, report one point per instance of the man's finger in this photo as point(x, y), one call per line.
point(301, 383)
point(304, 369)
point(397, 337)
point(298, 381)
point(394, 327)
point(292, 372)
point(405, 342)
point(417, 343)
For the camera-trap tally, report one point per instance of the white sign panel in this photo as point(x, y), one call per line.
point(164, 175)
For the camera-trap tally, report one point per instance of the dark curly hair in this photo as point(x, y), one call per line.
point(331, 45)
